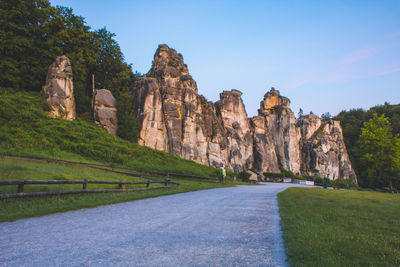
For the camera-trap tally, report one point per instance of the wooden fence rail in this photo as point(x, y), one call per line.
point(121, 184)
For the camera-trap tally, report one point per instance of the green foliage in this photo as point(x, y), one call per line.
point(352, 122)
point(273, 175)
point(380, 152)
point(34, 33)
point(284, 173)
point(340, 227)
point(244, 176)
point(127, 118)
point(343, 183)
point(26, 129)
point(318, 144)
point(326, 116)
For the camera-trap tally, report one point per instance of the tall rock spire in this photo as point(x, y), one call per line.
point(59, 90)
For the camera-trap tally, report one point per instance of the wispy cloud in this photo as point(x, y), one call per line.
point(389, 71)
point(300, 81)
point(360, 54)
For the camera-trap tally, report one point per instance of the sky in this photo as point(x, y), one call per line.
point(325, 56)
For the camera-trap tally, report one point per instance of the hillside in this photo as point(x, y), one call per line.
point(26, 129)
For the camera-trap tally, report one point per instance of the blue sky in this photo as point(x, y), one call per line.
point(326, 56)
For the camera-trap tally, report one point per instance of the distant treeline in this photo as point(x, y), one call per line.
point(33, 33)
point(352, 122)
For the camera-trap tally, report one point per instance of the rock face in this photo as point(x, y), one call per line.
point(280, 125)
point(105, 111)
point(176, 119)
point(324, 153)
point(58, 90)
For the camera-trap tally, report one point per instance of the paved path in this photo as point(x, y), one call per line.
point(219, 227)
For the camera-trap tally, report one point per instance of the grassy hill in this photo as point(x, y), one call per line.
point(26, 129)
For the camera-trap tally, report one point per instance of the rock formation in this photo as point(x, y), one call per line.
point(280, 125)
point(323, 152)
point(58, 90)
point(176, 119)
point(105, 111)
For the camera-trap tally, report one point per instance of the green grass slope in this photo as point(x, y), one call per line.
point(26, 129)
point(18, 169)
point(340, 227)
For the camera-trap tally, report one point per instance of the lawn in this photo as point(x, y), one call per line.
point(340, 227)
point(20, 169)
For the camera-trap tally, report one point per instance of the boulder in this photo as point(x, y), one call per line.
point(59, 90)
point(105, 111)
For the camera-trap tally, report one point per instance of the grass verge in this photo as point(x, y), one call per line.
point(340, 227)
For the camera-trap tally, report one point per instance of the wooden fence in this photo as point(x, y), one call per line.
point(122, 186)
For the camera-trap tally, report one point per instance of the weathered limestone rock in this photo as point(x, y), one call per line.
point(281, 127)
point(176, 119)
point(58, 90)
point(105, 111)
point(153, 132)
point(324, 152)
point(237, 130)
point(265, 158)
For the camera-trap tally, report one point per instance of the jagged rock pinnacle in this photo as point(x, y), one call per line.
point(167, 62)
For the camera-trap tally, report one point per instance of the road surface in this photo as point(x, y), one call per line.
point(236, 226)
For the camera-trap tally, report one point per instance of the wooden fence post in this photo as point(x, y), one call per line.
point(21, 188)
point(122, 187)
point(84, 184)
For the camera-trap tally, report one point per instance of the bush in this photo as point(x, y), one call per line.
point(244, 176)
point(319, 180)
point(343, 183)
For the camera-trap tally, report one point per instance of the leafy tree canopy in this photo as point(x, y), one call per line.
point(380, 152)
point(34, 33)
point(352, 121)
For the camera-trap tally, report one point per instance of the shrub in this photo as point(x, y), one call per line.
point(343, 183)
point(244, 176)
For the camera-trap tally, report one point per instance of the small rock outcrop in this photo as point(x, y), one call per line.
point(105, 111)
point(176, 119)
point(59, 91)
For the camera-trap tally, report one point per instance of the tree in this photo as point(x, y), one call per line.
point(33, 33)
point(326, 116)
point(380, 152)
point(127, 118)
point(300, 113)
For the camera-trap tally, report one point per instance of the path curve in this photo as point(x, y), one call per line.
point(236, 226)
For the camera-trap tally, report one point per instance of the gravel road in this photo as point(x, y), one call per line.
point(236, 226)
